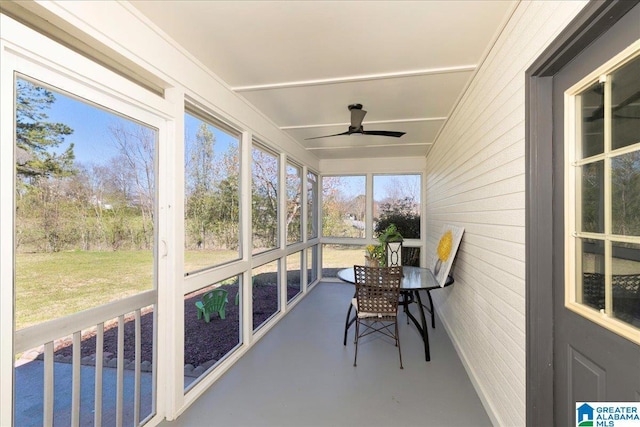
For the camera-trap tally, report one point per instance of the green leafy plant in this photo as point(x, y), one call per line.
point(390, 234)
point(379, 251)
point(376, 252)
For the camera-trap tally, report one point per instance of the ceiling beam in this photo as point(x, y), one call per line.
point(351, 79)
point(372, 122)
point(346, 147)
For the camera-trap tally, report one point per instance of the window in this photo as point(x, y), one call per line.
point(264, 199)
point(312, 264)
point(312, 203)
point(86, 223)
point(207, 343)
point(294, 203)
point(294, 277)
point(603, 183)
point(396, 199)
point(265, 290)
point(212, 193)
point(85, 204)
point(343, 206)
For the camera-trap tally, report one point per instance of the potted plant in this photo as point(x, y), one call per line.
point(374, 256)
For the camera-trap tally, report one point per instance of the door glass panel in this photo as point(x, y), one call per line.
point(592, 120)
point(592, 208)
point(626, 282)
point(343, 206)
point(592, 273)
point(264, 200)
point(607, 194)
point(625, 105)
point(212, 194)
point(625, 188)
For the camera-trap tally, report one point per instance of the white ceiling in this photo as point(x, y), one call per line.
point(301, 63)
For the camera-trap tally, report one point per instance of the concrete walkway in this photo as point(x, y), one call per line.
point(29, 394)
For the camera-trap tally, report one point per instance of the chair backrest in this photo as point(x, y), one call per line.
point(377, 289)
point(214, 299)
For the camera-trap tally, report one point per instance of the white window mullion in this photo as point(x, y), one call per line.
point(282, 232)
point(7, 166)
point(246, 236)
point(608, 253)
point(304, 200)
point(170, 265)
point(368, 223)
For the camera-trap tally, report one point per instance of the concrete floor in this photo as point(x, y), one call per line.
point(300, 374)
point(29, 395)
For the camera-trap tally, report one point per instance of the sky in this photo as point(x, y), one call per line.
point(92, 140)
point(383, 186)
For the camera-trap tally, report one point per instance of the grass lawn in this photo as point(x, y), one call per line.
point(53, 285)
point(197, 260)
point(338, 256)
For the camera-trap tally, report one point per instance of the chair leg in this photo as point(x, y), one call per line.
point(355, 359)
point(346, 324)
point(398, 344)
point(221, 313)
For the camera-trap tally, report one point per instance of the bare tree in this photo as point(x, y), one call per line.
point(136, 147)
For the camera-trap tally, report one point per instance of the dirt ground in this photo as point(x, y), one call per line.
point(204, 342)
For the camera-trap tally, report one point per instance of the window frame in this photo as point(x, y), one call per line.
point(302, 211)
point(192, 109)
point(44, 61)
point(367, 194)
point(419, 197)
point(257, 145)
point(573, 196)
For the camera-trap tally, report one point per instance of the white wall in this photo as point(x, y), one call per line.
point(476, 179)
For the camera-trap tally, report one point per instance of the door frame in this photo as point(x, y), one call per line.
point(592, 21)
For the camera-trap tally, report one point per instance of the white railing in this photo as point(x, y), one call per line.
point(47, 333)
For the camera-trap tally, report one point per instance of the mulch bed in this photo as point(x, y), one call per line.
point(204, 342)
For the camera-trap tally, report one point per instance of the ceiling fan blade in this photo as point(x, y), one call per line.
point(383, 133)
point(328, 136)
point(357, 115)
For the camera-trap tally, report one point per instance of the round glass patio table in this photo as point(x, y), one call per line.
point(414, 280)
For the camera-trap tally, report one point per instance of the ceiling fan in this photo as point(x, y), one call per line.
point(357, 115)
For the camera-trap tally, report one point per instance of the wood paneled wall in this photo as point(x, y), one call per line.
point(476, 179)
